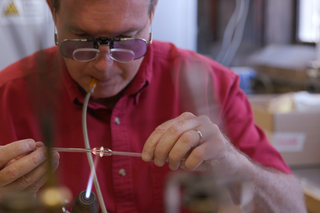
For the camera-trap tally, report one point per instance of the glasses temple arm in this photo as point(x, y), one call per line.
point(55, 29)
point(150, 39)
point(56, 39)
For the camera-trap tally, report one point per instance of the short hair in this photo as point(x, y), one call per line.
point(152, 3)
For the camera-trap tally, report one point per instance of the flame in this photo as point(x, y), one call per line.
point(90, 182)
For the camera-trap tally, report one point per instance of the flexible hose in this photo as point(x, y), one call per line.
point(87, 144)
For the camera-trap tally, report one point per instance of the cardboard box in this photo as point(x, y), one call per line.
point(295, 135)
point(312, 195)
point(310, 183)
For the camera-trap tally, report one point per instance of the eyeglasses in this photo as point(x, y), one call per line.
point(121, 49)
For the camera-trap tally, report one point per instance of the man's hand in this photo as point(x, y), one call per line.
point(180, 142)
point(23, 166)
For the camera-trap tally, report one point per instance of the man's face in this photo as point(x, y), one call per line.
point(103, 18)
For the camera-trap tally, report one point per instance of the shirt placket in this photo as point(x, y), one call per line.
point(121, 165)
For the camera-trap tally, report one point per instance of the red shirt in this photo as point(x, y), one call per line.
point(36, 103)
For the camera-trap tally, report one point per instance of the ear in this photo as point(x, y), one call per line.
point(52, 9)
point(49, 2)
point(153, 11)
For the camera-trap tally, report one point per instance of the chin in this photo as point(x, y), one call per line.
point(101, 96)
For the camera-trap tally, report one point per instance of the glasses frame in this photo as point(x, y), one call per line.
point(103, 41)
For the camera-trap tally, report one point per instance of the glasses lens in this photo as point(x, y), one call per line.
point(122, 55)
point(137, 46)
point(68, 48)
point(85, 54)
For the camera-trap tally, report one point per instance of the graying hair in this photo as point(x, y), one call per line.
point(152, 3)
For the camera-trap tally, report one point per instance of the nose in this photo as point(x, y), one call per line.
point(103, 62)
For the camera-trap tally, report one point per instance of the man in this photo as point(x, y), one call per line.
point(171, 105)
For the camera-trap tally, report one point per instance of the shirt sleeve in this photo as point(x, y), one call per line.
point(239, 126)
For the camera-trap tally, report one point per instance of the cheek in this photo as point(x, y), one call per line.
point(77, 72)
point(130, 69)
point(75, 68)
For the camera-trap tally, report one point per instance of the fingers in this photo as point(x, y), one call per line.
point(28, 173)
point(182, 148)
point(152, 142)
point(35, 186)
point(162, 139)
point(15, 149)
point(36, 178)
point(199, 155)
point(214, 148)
point(186, 141)
point(39, 144)
point(22, 166)
point(175, 139)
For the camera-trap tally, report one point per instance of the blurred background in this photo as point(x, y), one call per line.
point(272, 45)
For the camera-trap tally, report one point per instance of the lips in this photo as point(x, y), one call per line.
point(105, 81)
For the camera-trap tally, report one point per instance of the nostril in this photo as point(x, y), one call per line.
point(104, 61)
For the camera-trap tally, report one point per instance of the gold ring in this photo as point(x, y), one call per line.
point(199, 133)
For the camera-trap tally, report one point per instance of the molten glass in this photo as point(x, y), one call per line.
point(98, 151)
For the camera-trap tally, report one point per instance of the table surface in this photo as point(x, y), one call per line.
point(311, 174)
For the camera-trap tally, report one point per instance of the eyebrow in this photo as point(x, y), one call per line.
point(79, 30)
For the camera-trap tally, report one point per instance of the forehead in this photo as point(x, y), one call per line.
point(104, 16)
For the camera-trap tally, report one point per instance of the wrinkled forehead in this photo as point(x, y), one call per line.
point(107, 13)
point(108, 3)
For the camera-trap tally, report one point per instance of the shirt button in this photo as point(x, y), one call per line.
point(117, 120)
point(122, 172)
